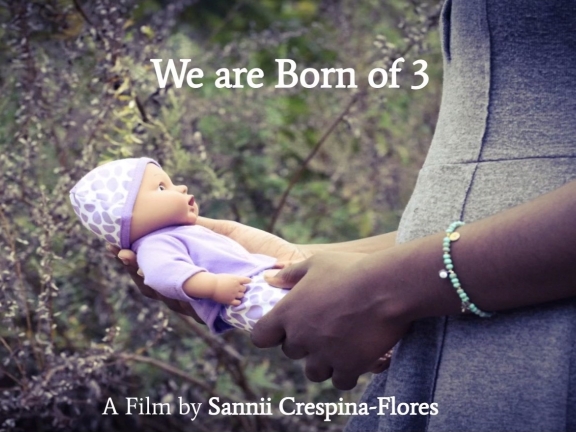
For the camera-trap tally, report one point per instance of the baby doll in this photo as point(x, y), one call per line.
point(132, 203)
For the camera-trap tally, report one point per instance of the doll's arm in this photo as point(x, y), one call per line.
point(166, 265)
point(179, 306)
point(222, 288)
point(169, 269)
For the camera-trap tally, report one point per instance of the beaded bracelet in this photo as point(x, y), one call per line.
point(387, 356)
point(467, 305)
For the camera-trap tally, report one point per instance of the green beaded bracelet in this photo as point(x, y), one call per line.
point(448, 271)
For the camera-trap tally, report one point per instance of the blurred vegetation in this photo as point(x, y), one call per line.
point(313, 165)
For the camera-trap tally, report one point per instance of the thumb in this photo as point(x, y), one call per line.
point(268, 331)
point(127, 257)
point(288, 276)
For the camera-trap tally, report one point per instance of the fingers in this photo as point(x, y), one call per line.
point(136, 275)
point(268, 332)
point(127, 257)
point(380, 366)
point(288, 276)
point(242, 287)
point(237, 301)
point(186, 308)
point(270, 276)
point(317, 371)
point(344, 380)
point(148, 292)
point(181, 307)
point(112, 249)
point(293, 351)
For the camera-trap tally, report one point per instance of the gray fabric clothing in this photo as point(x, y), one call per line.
point(506, 134)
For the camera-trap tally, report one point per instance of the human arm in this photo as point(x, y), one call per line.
point(258, 241)
point(519, 257)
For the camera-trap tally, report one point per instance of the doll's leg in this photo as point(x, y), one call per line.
point(258, 300)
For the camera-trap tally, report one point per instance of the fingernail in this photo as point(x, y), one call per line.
point(125, 262)
point(270, 273)
point(140, 273)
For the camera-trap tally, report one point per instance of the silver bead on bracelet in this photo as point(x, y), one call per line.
point(448, 271)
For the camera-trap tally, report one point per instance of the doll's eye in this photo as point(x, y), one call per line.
point(161, 187)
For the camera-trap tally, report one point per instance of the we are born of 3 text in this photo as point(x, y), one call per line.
point(287, 76)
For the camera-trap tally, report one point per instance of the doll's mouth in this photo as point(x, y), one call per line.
point(191, 202)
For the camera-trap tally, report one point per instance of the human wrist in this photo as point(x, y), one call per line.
point(366, 245)
point(449, 272)
point(409, 285)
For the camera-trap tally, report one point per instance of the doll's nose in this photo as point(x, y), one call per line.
point(183, 189)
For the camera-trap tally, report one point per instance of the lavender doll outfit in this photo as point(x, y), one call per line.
point(168, 257)
point(104, 200)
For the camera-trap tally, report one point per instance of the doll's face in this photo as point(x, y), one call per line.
point(160, 204)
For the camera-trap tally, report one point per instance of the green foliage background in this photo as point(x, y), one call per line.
point(78, 89)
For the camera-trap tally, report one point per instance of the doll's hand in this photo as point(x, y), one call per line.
point(128, 258)
point(230, 289)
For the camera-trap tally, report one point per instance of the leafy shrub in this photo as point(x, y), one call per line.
point(78, 89)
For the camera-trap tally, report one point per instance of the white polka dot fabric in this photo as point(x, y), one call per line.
point(104, 198)
point(258, 300)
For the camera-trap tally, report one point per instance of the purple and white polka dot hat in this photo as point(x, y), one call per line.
point(104, 198)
